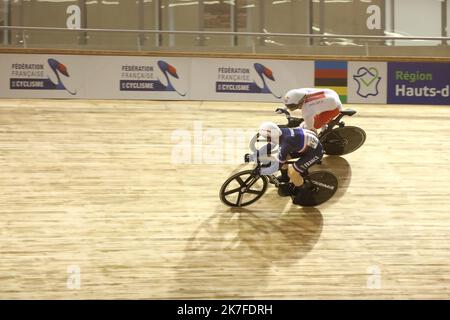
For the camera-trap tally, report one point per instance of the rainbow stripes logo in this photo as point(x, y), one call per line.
point(332, 75)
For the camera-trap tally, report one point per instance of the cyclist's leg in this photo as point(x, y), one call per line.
point(303, 165)
point(307, 160)
point(285, 187)
point(324, 118)
point(284, 177)
point(308, 117)
point(295, 175)
point(328, 109)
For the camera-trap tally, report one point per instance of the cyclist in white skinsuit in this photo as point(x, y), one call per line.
point(319, 106)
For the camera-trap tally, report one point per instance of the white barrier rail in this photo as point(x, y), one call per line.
point(229, 33)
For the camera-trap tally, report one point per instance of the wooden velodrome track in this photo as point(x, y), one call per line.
point(95, 184)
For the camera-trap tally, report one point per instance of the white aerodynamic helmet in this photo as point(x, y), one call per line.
point(269, 129)
point(293, 97)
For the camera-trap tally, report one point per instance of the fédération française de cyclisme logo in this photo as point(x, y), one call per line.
point(368, 80)
point(167, 69)
point(25, 76)
point(264, 71)
point(245, 87)
point(142, 78)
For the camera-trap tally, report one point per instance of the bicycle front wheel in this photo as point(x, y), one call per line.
point(243, 189)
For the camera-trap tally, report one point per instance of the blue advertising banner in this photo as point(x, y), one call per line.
point(418, 83)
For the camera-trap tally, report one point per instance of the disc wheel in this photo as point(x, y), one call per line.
point(343, 140)
point(243, 189)
point(319, 187)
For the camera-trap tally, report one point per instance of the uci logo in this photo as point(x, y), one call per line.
point(368, 80)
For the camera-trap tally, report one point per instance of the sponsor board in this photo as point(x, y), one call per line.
point(40, 76)
point(367, 82)
point(418, 83)
point(258, 80)
point(94, 77)
point(138, 78)
point(248, 79)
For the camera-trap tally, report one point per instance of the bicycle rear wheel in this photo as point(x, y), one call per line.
point(343, 140)
point(319, 187)
point(243, 189)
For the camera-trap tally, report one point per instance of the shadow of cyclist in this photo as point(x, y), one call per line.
point(231, 253)
point(287, 237)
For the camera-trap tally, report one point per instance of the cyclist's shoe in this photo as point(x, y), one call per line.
point(305, 190)
point(285, 189)
point(283, 179)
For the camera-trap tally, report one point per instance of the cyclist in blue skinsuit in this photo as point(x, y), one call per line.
point(293, 143)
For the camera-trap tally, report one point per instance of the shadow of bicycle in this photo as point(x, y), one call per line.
point(231, 253)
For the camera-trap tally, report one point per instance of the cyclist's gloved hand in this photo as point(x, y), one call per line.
point(280, 110)
point(248, 157)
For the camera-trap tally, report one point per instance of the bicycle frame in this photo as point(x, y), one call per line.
point(272, 178)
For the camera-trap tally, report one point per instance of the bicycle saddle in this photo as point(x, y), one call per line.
point(348, 112)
